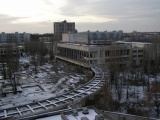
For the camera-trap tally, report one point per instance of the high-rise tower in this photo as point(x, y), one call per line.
point(63, 27)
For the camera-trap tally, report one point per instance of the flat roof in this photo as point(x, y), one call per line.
point(91, 115)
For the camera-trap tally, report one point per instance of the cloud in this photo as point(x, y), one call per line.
point(7, 19)
point(113, 9)
point(127, 15)
point(8, 25)
point(125, 25)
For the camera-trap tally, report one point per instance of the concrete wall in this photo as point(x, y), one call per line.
point(75, 37)
point(120, 116)
point(93, 54)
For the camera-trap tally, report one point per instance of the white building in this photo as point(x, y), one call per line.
point(92, 37)
point(92, 48)
point(87, 55)
point(84, 49)
point(14, 37)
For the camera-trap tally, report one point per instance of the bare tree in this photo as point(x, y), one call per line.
point(35, 63)
point(12, 62)
point(42, 52)
point(154, 96)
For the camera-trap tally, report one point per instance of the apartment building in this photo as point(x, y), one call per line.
point(14, 37)
point(142, 36)
point(63, 27)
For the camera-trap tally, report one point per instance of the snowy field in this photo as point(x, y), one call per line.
point(51, 80)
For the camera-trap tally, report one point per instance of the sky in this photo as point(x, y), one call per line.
point(37, 16)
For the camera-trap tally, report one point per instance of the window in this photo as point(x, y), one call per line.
point(134, 51)
point(117, 52)
point(140, 51)
point(121, 52)
point(128, 52)
point(134, 55)
point(107, 53)
point(140, 55)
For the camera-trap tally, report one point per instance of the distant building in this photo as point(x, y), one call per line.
point(105, 35)
point(141, 36)
point(63, 27)
point(14, 37)
point(45, 39)
point(92, 37)
point(10, 48)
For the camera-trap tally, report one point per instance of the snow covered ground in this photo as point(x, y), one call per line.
point(51, 80)
point(137, 91)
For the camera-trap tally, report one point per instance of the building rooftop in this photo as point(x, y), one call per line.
point(88, 113)
point(84, 113)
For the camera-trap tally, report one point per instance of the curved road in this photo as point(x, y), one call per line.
point(60, 101)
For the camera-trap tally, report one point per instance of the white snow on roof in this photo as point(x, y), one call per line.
point(90, 116)
point(56, 117)
point(133, 42)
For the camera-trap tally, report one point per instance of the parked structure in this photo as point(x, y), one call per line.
point(14, 37)
point(63, 27)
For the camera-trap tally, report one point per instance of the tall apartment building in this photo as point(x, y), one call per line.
point(14, 37)
point(63, 27)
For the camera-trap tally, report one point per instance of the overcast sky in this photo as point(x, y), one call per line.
point(37, 16)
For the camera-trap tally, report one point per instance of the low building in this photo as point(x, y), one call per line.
point(92, 48)
point(10, 48)
point(87, 55)
point(85, 49)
